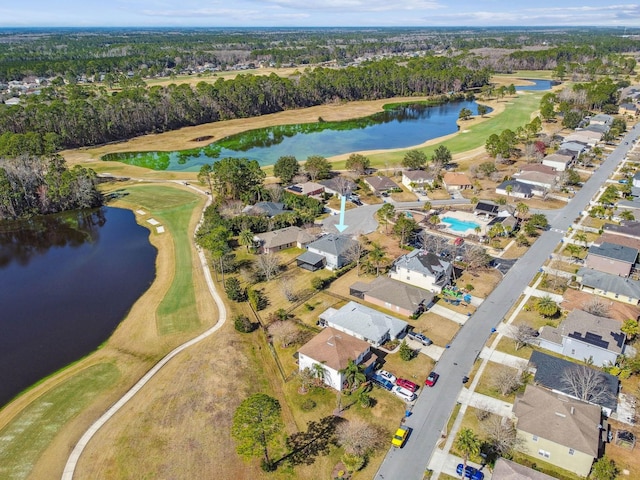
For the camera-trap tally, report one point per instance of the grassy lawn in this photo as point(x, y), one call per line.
point(171, 207)
point(24, 439)
point(439, 329)
point(544, 467)
point(507, 345)
point(487, 386)
point(483, 281)
point(470, 420)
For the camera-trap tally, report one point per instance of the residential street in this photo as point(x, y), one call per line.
point(434, 405)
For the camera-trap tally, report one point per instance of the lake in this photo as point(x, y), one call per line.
point(67, 282)
point(538, 84)
point(400, 127)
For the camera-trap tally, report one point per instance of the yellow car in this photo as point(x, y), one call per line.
point(400, 437)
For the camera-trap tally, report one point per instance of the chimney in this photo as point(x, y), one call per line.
point(572, 410)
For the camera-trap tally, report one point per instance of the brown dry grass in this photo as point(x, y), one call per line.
point(439, 329)
point(483, 281)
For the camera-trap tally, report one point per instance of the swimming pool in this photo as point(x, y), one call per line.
point(459, 225)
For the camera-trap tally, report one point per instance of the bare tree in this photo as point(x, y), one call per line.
point(597, 307)
point(231, 208)
point(356, 251)
point(268, 265)
point(522, 335)
point(476, 257)
point(358, 437)
point(343, 185)
point(507, 380)
point(275, 192)
point(300, 178)
point(501, 433)
point(284, 332)
point(586, 384)
point(287, 287)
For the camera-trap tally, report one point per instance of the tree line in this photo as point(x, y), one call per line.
point(34, 185)
point(74, 116)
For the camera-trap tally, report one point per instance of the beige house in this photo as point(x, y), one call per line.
point(417, 179)
point(393, 295)
point(611, 258)
point(276, 240)
point(456, 181)
point(615, 287)
point(558, 430)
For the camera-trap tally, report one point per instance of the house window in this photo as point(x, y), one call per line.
point(544, 453)
point(535, 438)
point(573, 351)
point(571, 451)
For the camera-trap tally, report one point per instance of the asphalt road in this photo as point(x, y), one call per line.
point(434, 406)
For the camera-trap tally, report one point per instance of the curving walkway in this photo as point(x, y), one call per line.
point(72, 461)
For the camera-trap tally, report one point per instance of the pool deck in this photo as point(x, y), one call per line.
point(465, 217)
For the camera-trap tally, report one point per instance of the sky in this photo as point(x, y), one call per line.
point(320, 13)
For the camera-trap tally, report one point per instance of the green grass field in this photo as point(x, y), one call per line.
point(172, 207)
point(24, 439)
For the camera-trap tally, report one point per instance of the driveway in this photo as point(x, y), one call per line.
point(360, 220)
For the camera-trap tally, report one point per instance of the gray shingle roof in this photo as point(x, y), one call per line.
point(270, 209)
point(508, 470)
point(599, 331)
point(631, 229)
point(517, 187)
point(367, 322)
point(380, 183)
point(614, 251)
point(609, 283)
point(554, 417)
point(549, 372)
point(332, 244)
point(396, 293)
point(424, 262)
point(284, 236)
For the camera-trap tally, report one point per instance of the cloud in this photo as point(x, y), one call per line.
point(358, 6)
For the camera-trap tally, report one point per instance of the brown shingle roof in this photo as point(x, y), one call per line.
point(508, 470)
point(334, 348)
point(618, 240)
point(557, 418)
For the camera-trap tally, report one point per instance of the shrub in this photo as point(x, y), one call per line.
point(406, 352)
point(353, 462)
point(308, 405)
point(308, 307)
point(257, 300)
point(468, 287)
point(243, 324)
point(317, 283)
point(234, 290)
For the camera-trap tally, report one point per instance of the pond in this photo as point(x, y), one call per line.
point(538, 84)
point(67, 282)
point(399, 127)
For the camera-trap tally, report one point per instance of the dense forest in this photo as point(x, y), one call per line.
point(74, 116)
point(32, 185)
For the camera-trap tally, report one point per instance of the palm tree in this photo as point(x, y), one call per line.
point(627, 215)
point(434, 220)
point(522, 209)
point(353, 375)
point(376, 257)
point(508, 189)
point(574, 250)
point(478, 230)
point(427, 206)
point(245, 237)
point(581, 237)
point(318, 371)
point(546, 306)
point(468, 444)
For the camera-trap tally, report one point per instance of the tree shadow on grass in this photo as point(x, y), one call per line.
point(304, 447)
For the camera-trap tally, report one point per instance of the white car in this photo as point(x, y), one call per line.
point(404, 394)
point(390, 377)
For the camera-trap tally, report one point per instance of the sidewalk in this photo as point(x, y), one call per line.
point(503, 358)
point(484, 402)
point(460, 318)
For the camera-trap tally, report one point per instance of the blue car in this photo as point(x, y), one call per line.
point(381, 382)
point(470, 472)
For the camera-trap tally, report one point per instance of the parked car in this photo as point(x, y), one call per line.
point(381, 382)
point(431, 379)
point(404, 394)
point(418, 337)
point(465, 379)
point(388, 376)
point(408, 384)
point(400, 436)
point(470, 472)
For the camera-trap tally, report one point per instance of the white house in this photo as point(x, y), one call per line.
point(423, 270)
point(329, 251)
point(332, 350)
point(417, 179)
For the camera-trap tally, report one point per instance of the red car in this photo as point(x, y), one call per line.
point(431, 379)
point(409, 385)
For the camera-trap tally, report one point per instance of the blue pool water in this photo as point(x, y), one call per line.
point(459, 225)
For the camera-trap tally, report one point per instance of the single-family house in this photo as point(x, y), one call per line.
point(558, 430)
point(507, 470)
point(509, 223)
point(276, 240)
point(601, 119)
point(583, 335)
point(453, 181)
point(544, 181)
point(607, 285)
point(338, 185)
point(556, 374)
point(364, 323)
point(515, 189)
point(417, 180)
point(306, 189)
point(329, 251)
point(611, 258)
point(486, 208)
point(629, 229)
point(602, 129)
point(333, 349)
point(538, 167)
point(380, 184)
point(400, 298)
point(268, 209)
point(618, 240)
point(588, 137)
point(577, 147)
point(423, 270)
point(560, 160)
point(628, 109)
